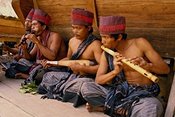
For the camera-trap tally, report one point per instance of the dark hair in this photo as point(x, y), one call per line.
point(124, 36)
point(42, 24)
point(91, 29)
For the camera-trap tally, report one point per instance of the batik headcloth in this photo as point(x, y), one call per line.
point(112, 25)
point(41, 16)
point(81, 17)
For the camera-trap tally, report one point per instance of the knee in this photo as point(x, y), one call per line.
point(85, 88)
point(147, 107)
point(90, 89)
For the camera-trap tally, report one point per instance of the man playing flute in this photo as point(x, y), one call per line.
point(119, 90)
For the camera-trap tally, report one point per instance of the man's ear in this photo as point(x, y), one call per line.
point(120, 37)
point(44, 27)
point(89, 28)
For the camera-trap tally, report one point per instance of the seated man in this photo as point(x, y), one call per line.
point(18, 56)
point(17, 52)
point(118, 89)
point(48, 45)
point(83, 46)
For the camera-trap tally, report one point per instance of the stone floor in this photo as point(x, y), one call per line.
point(15, 104)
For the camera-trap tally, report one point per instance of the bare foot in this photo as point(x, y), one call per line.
point(121, 111)
point(4, 69)
point(91, 108)
point(21, 76)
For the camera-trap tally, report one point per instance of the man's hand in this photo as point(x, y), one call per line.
point(6, 48)
point(140, 61)
point(24, 46)
point(17, 57)
point(33, 38)
point(76, 67)
point(45, 64)
point(118, 65)
point(16, 45)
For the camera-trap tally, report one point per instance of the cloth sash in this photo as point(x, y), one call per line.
point(120, 77)
point(124, 96)
point(39, 55)
point(30, 44)
point(82, 47)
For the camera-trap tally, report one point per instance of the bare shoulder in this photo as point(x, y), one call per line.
point(96, 46)
point(55, 35)
point(96, 43)
point(142, 43)
point(72, 41)
point(141, 40)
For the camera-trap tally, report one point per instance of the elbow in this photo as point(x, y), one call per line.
point(162, 69)
point(167, 70)
point(96, 81)
point(99, 81)
point(52, 58)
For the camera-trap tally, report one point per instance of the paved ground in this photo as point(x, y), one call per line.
point(15, 104)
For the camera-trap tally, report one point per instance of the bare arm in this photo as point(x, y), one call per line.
point(11, 50)
point(48, 52)
point(51, 51)
point(102, 77)
point(158, 65)
point(69, 53)
point(97, 54)
point(14, 50)
point(31, 55)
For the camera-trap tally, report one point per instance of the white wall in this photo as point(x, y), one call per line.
point(6, 8)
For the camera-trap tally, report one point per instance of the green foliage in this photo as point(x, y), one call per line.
point(29, 88)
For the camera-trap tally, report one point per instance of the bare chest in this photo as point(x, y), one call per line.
point(131, 52)
point(86, 54)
